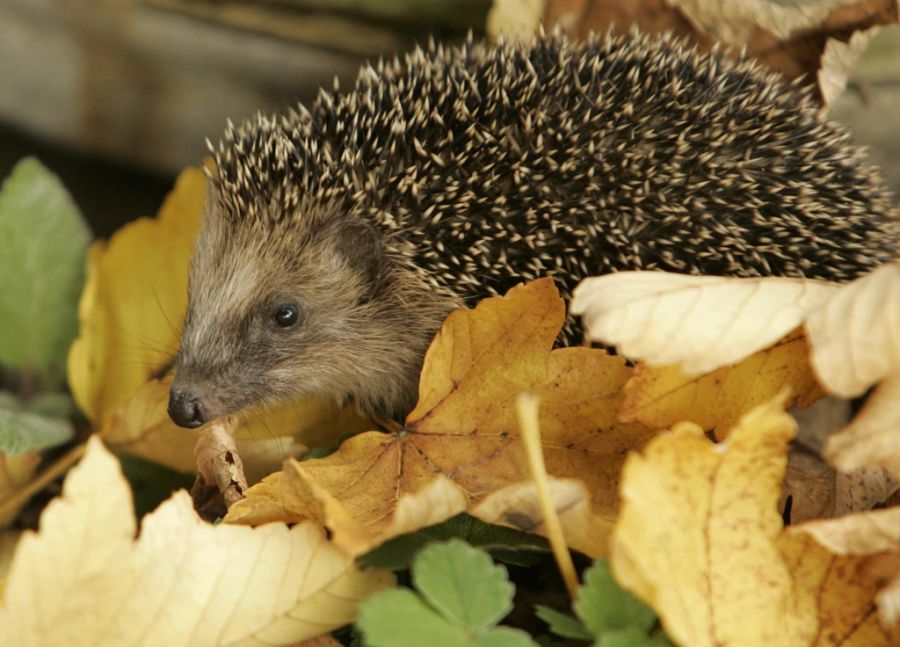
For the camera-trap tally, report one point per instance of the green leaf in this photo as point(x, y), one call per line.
point(505, 544)
point(463, 584)
point(399, 618)
point(22, 431)
point(43, 242)
point(505, 637)
point(603, 606)
point(563, 625)
point(52, 405)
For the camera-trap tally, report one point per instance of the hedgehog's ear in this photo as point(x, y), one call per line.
point(359, 243)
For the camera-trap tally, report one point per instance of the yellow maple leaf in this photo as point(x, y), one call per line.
point(133, 304)
point(181, 582)
point(660, 396)
point(463, 439)
point(700, 539)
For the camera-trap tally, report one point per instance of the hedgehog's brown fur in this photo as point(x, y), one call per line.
point(459, 172)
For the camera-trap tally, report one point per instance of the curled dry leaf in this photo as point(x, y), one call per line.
point(219, 464)
point(699, 322)
point(854, 336)
point(463, 433)
point(699, 538)
point(181, 582)
point(817, 491)
point(660, 396)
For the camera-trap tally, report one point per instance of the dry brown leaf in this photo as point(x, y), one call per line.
point(660, 396)
point(182, 581)
point(699, 538)
point(817, 491)
point(464, 428)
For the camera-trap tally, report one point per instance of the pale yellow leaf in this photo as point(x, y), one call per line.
point(84, 580)
point(700, 539)
point(855, 336)
point(699, 322)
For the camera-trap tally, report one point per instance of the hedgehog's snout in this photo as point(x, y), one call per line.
point(186, 409)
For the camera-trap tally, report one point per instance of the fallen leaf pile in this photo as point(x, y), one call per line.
point(720, 468)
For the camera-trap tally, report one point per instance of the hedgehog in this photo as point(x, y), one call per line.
point(336, 238)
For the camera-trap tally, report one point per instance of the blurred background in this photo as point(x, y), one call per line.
point(116, 96)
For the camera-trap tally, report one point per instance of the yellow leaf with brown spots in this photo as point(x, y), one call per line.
point(700, 539)
point(464, 432)
point(660, 396)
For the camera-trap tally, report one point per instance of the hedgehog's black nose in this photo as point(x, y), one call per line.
point(185, 409)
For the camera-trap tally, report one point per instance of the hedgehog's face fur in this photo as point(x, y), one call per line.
point(302, 305)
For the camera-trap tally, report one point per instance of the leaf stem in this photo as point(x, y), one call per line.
point(20, 497)
point(527, 410)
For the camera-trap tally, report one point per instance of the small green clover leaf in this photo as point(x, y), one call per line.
point(462, 595)
point(607, 615)
point(604, 606)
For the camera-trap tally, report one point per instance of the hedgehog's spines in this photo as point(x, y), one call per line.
point(483, 166)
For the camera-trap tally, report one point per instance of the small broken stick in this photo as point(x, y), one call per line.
point(220, 472)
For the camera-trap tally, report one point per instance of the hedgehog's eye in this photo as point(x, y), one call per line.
point(286, 315)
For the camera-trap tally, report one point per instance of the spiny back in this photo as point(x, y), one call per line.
point(486, 165)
